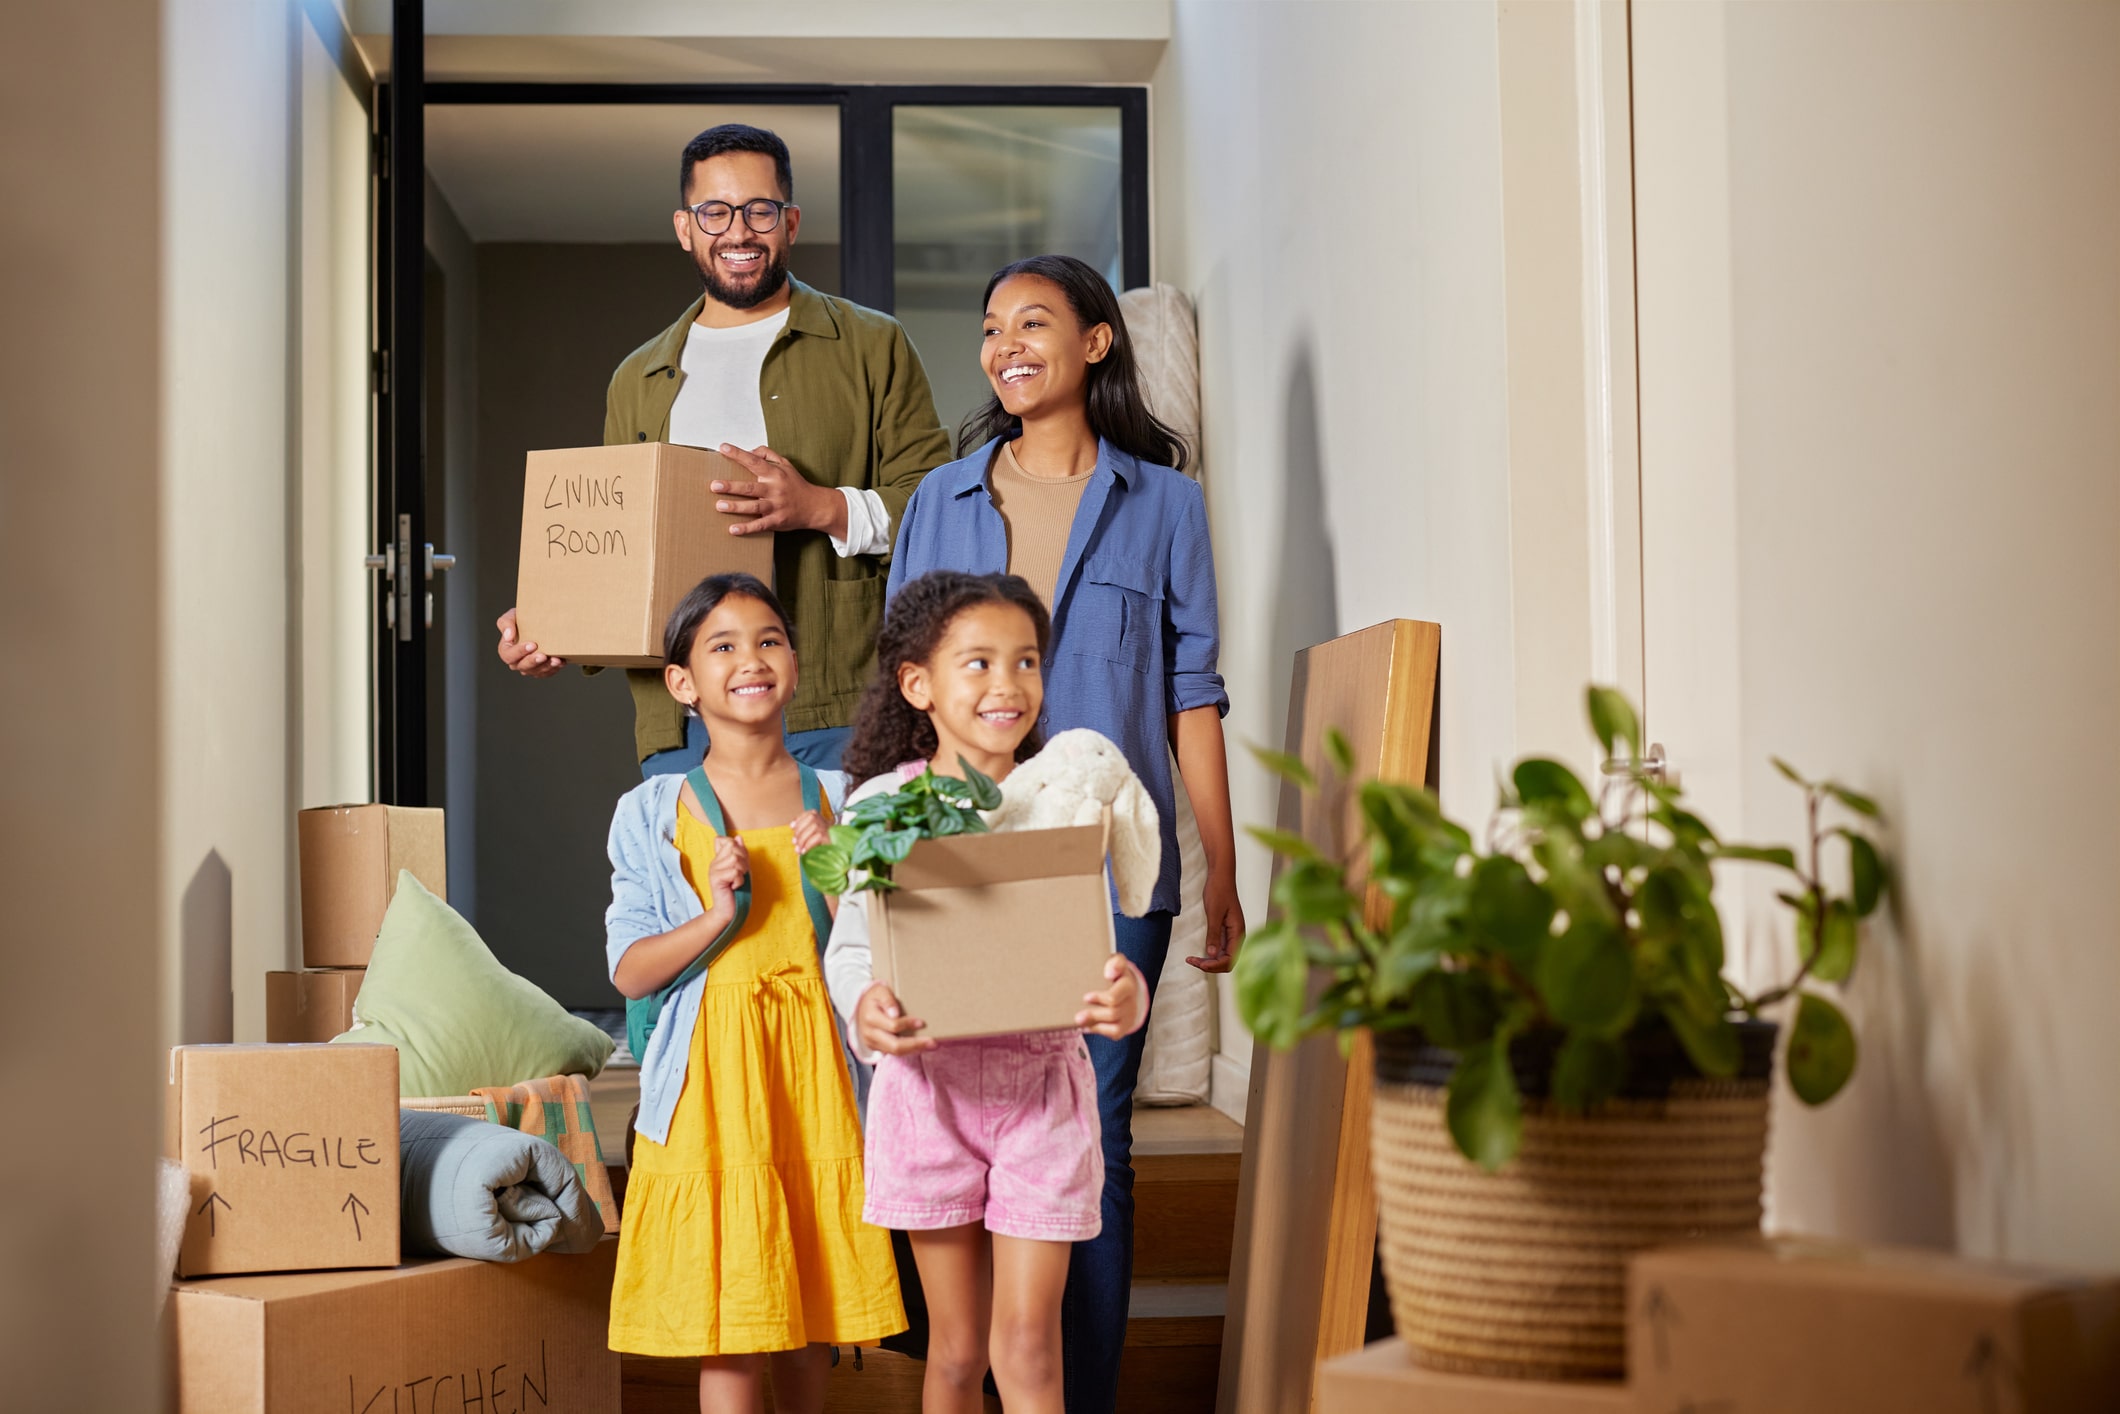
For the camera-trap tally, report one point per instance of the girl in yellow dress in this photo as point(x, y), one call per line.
point(742, 1241)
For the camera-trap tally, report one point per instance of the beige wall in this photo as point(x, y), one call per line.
point(1352, 331)
point(80, 588)
point(1880, 340)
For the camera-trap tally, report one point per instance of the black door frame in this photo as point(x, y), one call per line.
point(867, 276)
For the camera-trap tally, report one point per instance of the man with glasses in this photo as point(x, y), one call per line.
point(825, 410)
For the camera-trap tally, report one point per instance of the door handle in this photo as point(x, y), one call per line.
point(1654, 766)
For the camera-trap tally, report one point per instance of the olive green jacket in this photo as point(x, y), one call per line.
point(847, 403)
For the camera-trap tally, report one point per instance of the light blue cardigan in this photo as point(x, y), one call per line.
point(649, 896)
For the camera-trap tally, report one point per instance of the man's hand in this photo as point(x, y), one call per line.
point(1225, 922)
point(882, 1025)
point(524, 657)
point(777, 497)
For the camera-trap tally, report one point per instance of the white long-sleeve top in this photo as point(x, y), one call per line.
point(1073, 776)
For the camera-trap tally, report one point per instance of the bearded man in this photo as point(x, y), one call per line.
point(824, 409)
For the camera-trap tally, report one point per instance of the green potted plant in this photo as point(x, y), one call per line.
point(1564, 1074)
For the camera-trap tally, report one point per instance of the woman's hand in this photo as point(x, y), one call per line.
point(811, 830)
point(731, 866)
point(883, 1026)
point(1225, 922)
point(1115, 1011)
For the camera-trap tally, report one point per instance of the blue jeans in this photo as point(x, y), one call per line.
point(1100, 1275)
point(820, 750)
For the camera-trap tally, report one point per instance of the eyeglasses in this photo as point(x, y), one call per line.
point(761, 215)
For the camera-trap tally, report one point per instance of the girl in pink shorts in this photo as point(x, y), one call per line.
point(986, 1152)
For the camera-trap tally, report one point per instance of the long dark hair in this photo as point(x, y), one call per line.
point(1117, 410)
point(703, 599)
point(888, 730)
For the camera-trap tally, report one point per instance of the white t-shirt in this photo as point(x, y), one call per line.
point(719, 401)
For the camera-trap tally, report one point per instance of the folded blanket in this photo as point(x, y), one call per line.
point(473, 1189)
point(556, 1110)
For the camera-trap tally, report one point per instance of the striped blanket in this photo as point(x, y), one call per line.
point(556, 1109)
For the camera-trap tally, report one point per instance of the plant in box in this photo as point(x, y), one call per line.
point(1552, 1008)
point(881, 831)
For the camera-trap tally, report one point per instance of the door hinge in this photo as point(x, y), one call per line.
point(379, 372)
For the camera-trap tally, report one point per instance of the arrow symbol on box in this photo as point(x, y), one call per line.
point(212, 1218)
point(1661, 1316)
point(358, 1208)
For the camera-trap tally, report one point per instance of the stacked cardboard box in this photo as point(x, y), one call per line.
point(1383, 1379)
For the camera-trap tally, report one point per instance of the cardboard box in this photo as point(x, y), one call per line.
point(1383, 1379)
point(1793, 1324)
point(292, 1153)
point(310, 1006)
point(613, 537)
point(439, 1335)
point(991, 934)
point(351, 855)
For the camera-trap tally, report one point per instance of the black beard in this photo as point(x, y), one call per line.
point(770, 279)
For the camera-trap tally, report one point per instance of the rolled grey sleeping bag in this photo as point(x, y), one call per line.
point(473, 1189)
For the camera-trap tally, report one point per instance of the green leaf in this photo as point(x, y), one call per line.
point(1678, 918)
point(1272, 977)
point(1486, 1116)
point(1539, 780)
point(1688, 831)
point(1339, 751)
point(1836, 955)
point(1777, 855)
point(1587, 1072)
point(1586, 977)
point(985, 794)
point(845, 836)
point(1406, 959)
point(1311, 891)
point(1790, 771)
point(1283, 842)
point(1508, 911)
point(1288, 768)
point(1455, 1009)
point(1821, 1050)
point(1712, 1046)
point(892, 846)
point(1854, 800)
point(1866, 872)
point(826, 868)
point(1612, 718)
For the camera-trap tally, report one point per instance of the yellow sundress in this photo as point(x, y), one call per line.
point(744, 1232)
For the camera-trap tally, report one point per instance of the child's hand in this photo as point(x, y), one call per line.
point(1115, 1011)
point(732, 864)
point(810, 831)
point(882, 1025)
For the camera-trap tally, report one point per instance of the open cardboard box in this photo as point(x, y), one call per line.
point(992, 934)
point(291, 1154)
point(433, 1335)
point(613, 538)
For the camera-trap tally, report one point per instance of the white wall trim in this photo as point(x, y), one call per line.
point(1603, 498)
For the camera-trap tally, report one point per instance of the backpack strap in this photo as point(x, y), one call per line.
point(644, 1013)
point(820, 916)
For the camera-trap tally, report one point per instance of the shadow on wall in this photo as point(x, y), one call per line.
point(205, 947)
point(1306, 599)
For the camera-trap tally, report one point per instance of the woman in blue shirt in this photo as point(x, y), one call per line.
point(1129, 579)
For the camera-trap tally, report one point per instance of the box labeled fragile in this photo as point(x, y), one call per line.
point(291, 1153)
point(1795, 1325)
point(436, 1335)
point(613, 538)
point(310, 1006)
point(993, 934)
point(350, 859)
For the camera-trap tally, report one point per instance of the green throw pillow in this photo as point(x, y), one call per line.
point(458, 1018)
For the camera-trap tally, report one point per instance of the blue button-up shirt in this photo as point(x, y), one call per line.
point(1136, 632)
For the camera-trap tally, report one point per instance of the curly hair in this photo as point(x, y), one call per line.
point(888, 730)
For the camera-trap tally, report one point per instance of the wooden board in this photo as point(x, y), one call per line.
point(1306, 1206)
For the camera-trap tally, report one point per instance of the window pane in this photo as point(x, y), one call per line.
point(975, 188)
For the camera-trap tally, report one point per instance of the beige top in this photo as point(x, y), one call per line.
point(1039, 512)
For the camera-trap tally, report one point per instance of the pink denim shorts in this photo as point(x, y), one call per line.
point(1001, 1130)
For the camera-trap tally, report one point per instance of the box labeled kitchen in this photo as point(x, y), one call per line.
point(613, 538)
point(291, 1153)
point(988, 934)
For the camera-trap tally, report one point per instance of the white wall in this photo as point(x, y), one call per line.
point(1329, 189)
point(228, 536)
point(1880, 339)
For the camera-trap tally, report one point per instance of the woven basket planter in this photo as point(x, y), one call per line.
point(1523, 1273)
